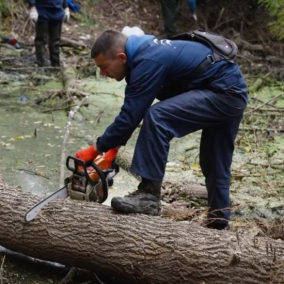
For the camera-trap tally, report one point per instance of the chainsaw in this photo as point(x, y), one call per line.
point(89, 182)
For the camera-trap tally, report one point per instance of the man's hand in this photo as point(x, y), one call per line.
point(67, 14)
point(33, 14)
point(87, 154)
point(111, 155)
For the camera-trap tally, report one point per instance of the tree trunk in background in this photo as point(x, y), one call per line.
point(140, 248)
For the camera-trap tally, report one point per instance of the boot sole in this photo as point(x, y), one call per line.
point(150, 208)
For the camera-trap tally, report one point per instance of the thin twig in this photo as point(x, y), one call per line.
point(269, 101)
point(114, 9)
point(106, 93)
point(66, 137)
point(266, 165)
point(7, 59)
point(1, 270)
point(269, 109)
point(69, 277)
point(60, 108)
point(225, 22)
point(77, 92)
point(29, 68)
point(245, 58)
point(256, 128)
point(25, 25)
point(269, 115)
point(219, 18)
point(98, 278)
point(12, 15)
point(34, 173)
point(272, 105)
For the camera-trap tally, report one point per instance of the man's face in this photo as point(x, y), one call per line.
point(112, 67)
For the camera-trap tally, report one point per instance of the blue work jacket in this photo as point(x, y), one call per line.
point(49, 10)
point(161, 69)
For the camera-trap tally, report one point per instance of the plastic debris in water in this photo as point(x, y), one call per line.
point(23, 99)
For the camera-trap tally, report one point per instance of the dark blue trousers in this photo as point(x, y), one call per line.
point(218, 115)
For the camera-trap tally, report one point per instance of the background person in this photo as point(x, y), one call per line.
point(169, 12)
point(48, 16)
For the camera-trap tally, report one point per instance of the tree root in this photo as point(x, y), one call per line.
point(2, 270)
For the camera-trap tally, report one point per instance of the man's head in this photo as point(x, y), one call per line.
point(109, 54)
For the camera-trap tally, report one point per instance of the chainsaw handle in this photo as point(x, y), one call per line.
point(77, 162)
point(85, 165)
point(91, 163)
point(103, 178)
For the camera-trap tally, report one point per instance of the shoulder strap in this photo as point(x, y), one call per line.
point(222, 48)
point(202, 67)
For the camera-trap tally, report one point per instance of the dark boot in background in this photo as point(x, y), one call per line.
point(40, 41)
point(55, 29)
point(145, 200)
point(169, 10)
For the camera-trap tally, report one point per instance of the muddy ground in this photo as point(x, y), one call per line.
point(33, 121)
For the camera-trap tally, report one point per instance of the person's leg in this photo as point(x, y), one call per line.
point(169, 11)
point(192, 7)
point(41, 29)
point(216, 153)
point(175, 117)
point(55, 28)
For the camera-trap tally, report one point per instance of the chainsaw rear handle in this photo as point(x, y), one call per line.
point(103, 177)
point(85, 165)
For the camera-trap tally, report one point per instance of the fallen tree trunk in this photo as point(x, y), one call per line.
point(141, 248)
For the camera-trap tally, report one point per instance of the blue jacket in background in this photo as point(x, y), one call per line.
point(161, 69)
point(192, 5)
point(49, 10)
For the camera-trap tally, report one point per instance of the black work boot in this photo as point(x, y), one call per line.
point(218, 226)
point(40, 41)
point(55, 28)
point(145, 200)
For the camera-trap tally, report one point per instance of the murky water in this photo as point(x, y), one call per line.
point(31, 139)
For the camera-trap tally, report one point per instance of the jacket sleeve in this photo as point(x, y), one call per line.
point(145, 83)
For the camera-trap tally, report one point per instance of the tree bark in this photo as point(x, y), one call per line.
point(142, 248)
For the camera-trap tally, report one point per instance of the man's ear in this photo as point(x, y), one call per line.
point(122, 57)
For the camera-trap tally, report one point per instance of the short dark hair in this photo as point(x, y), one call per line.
point(109, 42)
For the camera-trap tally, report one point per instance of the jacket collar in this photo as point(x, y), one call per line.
point(133, 44)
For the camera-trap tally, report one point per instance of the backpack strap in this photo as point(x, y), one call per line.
point(203, 66)
point(218, 44)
